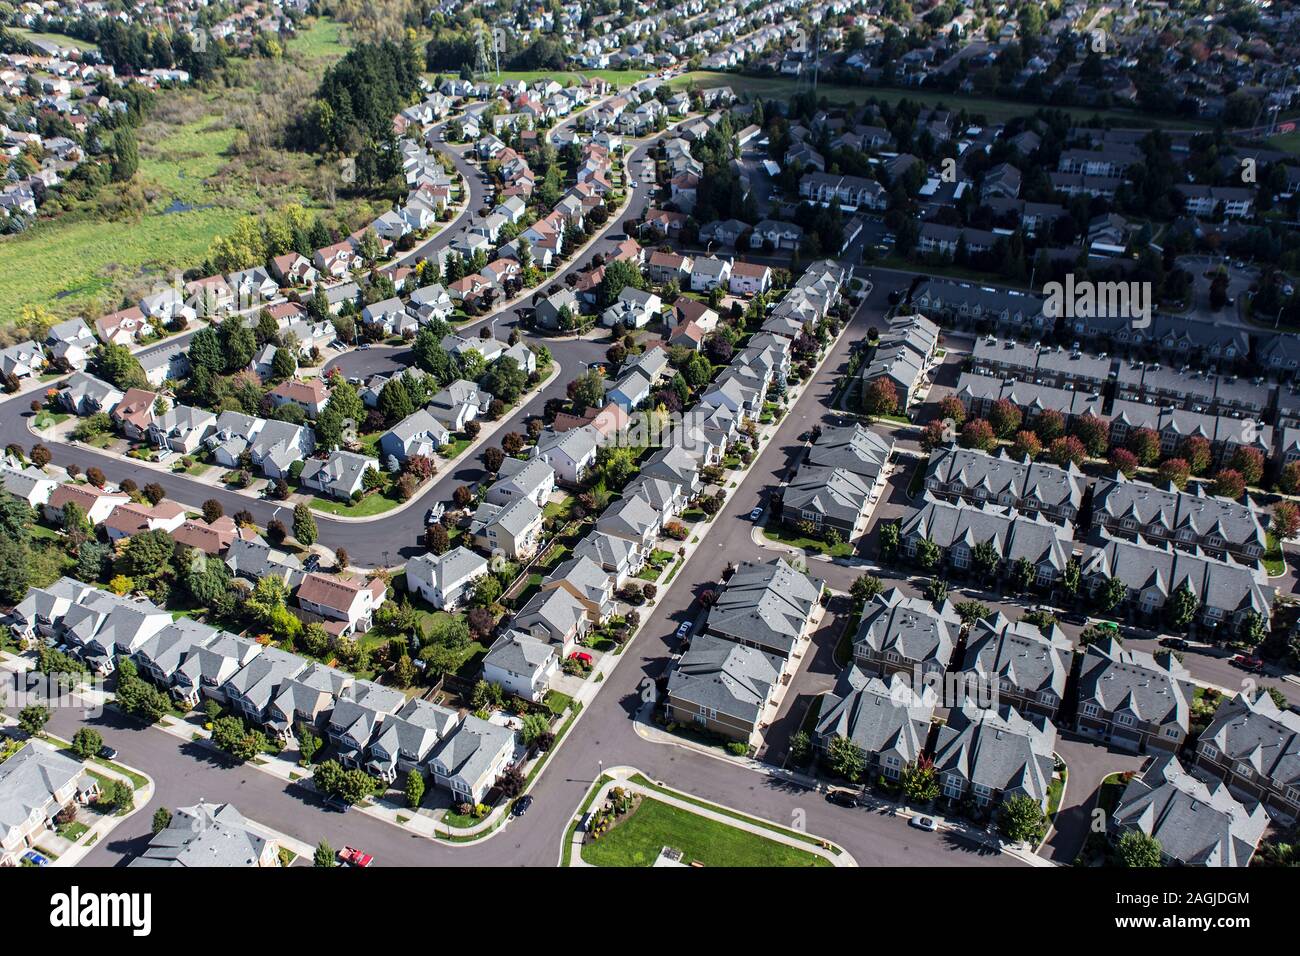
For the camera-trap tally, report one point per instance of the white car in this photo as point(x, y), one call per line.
point(753, 515)
point(684, 628)
point(925, 823)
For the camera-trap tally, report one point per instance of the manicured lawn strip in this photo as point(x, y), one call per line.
point(559, 735)
point(373, 504)
point(566, 853)
point(765, 824)
point(1274, 560)
point(637, 841)
point(777, 532)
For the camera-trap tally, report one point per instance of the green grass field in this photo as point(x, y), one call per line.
point(995, 110)
point(193, 185)
point(59, 38)
point(1289, 142)
point(654, 825)
point(564, 78)
point(323, 39)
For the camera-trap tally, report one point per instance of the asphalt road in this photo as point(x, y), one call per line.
point(385, 539)
point(604, 735)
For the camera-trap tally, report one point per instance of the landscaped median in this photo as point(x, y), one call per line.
point(628, 821)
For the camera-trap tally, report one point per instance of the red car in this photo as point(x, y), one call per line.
point(580, 656)
point(1248, 663)
point(351, 856)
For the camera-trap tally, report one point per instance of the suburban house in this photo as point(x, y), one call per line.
point(36, 784)
point(351, 602)
point(517, 478)
point(417, 434)
point(341, 475)
point(1194, 816)
point(770, 607)
point(900, 633)
point(471, 758)
point(1254, 747)
point(1132, 699)
point(209, 834)
point(726, 688)
point(96, 503)
point(406, 739)
point(521, 664)
point(887, 720)
point(569, 453)
point(444, 580)
point(987, 755)
point(1027, 666)
point(182, 428)
point(511, 529)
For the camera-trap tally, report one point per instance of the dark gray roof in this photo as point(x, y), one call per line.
point(1196, 820)
point(876, 716)
point(1155, 689)
point(912, 628)
point(999, 749)
point(728, 677)
point(999, 649)
point(1260, 734)
point(768, 604)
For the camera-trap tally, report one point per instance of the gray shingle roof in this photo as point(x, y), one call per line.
point(912, 628)
point(767, 604)
point(1156, 689)
point(1260, 734)
point(999, 749)
point(728, 677)
point(967, 471)
point(876, 716)
point(999, 649)
point(1196, 821)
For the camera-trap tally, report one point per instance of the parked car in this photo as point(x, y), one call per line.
point(683, 628)
point(520, 806)
point(754, 515)
point(1175, 643)
point(351, 856)
point(842, 797)
point(580, 656)
point(1249, 663)
point(107, 753)
point(929, 824)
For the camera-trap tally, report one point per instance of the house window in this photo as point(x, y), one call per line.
point(1088, 710)
point(1243, 769)
point(1173, 733)
point(1124, 720)
point(1210, 752)
point(1293, 794)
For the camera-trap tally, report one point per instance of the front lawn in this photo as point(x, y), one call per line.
point(653, 825)
point(1274, 559)
point(779, 532)
point(370, 505)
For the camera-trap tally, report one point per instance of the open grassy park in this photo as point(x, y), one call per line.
point(654, 824)
point(199, 174)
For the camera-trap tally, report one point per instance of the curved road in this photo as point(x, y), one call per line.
point(183, 770)
point(386, 538)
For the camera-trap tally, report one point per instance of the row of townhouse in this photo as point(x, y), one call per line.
point(1245, 763)
point(980, 393)
point(838, 482)
point(733, 676)
point(369, 726)
point(1121, 507)
point(905, 355)
point(885, 702)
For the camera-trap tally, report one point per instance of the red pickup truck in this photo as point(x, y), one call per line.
point(351, 856)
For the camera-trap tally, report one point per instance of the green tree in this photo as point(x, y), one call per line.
point(324, 856)
point(33, 718)
point(1021, 819)
point(304, 525)
point(86, 743)
point(414, 788)
point(846, 759)
point(919, 781)
point(1182, 607)
point(1137, 849)
point(162, 819)
point(126, 154)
